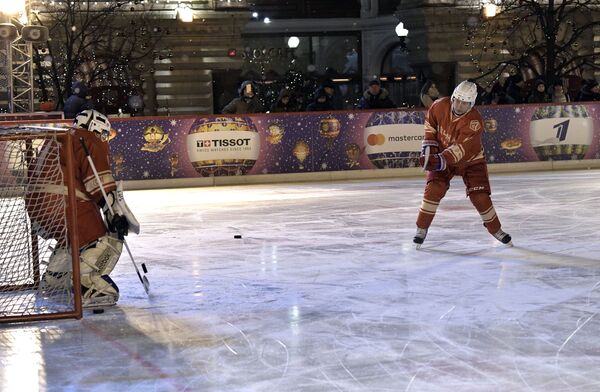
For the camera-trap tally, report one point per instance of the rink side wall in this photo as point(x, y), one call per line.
point(183, 151)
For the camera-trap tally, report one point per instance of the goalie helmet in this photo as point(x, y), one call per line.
point(93, 121)
point(466, 92)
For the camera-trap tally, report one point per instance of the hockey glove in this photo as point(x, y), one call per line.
point(117, 224)
point(436, 162)
point(433, 148)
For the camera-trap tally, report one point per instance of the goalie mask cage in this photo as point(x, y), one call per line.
point(37, 217)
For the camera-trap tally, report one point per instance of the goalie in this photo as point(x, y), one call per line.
point(452, 146)
point(100, 241)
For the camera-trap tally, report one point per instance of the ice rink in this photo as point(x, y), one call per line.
point(325, 292)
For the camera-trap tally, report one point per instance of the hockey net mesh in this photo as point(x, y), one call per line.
point(33, 223)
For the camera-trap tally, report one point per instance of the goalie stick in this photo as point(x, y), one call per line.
point(143, 278)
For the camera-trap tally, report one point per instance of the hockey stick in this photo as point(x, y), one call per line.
point(427, 154)
point(143, 279)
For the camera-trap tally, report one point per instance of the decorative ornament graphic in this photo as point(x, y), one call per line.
point(561, 132)
point(330, 128)
point(276, 133)
point(156, 139)
point(510, 146)
point(174, 163)
point(490, 125)
point(112, 134)
point(223, 146)
point(118, 160)
point(353, 152)
point(301, 151)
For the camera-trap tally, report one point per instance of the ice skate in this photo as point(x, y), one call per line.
point(503, 237)
point(419, 237)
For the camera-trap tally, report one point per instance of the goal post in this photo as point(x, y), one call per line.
point(37, 219)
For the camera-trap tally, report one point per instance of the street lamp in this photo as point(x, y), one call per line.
point(12, 7)
point(402, 33)
point(490, 10)
point(185, 13)
point(293, 42)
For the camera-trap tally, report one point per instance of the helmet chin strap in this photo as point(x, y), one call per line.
point(459, 115)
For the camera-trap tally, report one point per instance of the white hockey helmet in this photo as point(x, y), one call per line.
point(466, 92)
point(93, 121)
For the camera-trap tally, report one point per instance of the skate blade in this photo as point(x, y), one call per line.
point(90, 303)
point(418, 246)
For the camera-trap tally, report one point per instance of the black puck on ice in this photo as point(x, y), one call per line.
point(144, 268)
point(98, 311)
point(237, 236)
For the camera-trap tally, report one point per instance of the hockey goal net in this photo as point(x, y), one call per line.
point(37, 192)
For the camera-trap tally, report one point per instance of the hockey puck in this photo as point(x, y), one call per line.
point(237, 236)
point(98, 311)
point(144, 268)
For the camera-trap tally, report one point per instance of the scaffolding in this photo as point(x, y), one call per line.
point(16, 76)
point(16, 70)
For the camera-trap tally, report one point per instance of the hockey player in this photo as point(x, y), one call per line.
point(452, 146)
point(100, 242)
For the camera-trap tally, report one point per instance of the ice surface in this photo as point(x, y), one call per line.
point(325, 292)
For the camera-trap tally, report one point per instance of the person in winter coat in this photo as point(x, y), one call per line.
point(539, 93)
point(429, 93)
point(285, 102)
point(558, 93)
point(375, 97)
point(321, 103)
point(247, 102)
point(590, 91)
point(78, 101)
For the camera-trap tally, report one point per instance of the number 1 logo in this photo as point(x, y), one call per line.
point(562, 127)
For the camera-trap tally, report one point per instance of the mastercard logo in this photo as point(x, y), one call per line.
point(376, 139)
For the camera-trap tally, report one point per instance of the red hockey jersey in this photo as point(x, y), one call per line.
point(90, 225)
point(458, 138)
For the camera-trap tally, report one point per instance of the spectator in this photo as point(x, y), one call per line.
point(334, 95)
point(429, 93)
point(539, 94)
point(500, 85)
point(284, 103)
point(514, 88)
point(300, 100)
point(247, 102)
point(590, 91)
point(321, 103)
point(558, 93)
point(501, 98)
point(375, 97)
point(78, 101)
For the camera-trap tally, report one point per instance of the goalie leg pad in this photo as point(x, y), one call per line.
point(58, 273)
point(102, 256)
point(96, 263)
point(98, 290)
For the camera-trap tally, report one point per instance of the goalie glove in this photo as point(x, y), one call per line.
point(122, 220)
point(436, 162)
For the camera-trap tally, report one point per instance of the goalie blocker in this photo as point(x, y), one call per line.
point(121, 220)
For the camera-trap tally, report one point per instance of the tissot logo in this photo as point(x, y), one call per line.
point(222, 143)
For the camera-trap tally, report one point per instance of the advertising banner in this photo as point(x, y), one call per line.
point(204, 146)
